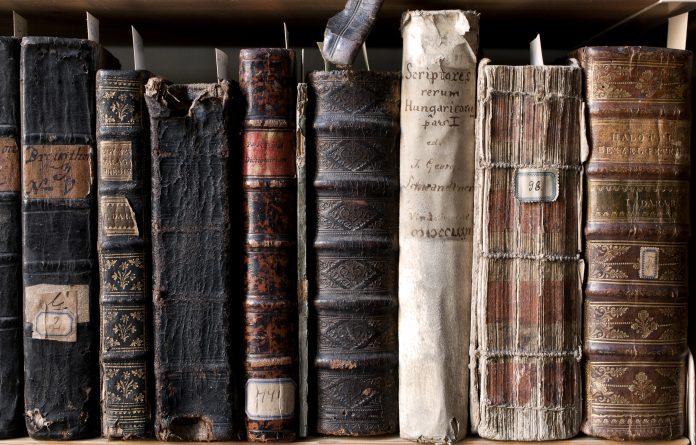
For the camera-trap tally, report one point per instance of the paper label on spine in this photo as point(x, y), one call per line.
point(649, 263)
point(55, 310)
point(115, 160)
point(57, 171)
point(270, 399)
point(9, 165)
point(117, 216)
point(269, 153)
point(536, 185)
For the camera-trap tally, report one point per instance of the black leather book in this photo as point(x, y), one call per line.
point(123, 182)
point(192, 284)
point(353, 209)
point(61, 313)
point(11, 400)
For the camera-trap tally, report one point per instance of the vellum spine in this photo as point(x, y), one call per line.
point(435, 222)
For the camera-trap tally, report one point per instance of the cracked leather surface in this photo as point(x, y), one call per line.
point(192, 284)
point(59, 234)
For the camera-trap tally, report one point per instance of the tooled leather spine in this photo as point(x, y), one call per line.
point(123, 182)
point(267, 82)
point(636, 241)
point(354, 148)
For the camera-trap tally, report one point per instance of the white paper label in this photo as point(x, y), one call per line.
point(536, 185)
point(55, 310)
point(270, 399)
point(649, 263)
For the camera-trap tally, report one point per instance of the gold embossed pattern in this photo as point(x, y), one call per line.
point(115, 160)
point(120, 103)
point(637, 262)
point(638, 201)
point(641, 140)
point(642, 397)
point(620, 79)
point(117, 216)
point(635, 323)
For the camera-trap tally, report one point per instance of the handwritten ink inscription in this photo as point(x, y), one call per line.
point(115, 160)
point(438, 110)
point(9, 165)
point(268, 399)
point(57, 171)
point(54, 310)
point(649, 263)
point(536, 185)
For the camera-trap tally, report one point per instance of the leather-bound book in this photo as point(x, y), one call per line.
point(123, 182)
point(438, 110)
point(526, 290)
point(353, 281)
point(195, 390)
point(636, 241)
point(11, 399)
point(267, 82)
point(59, 235)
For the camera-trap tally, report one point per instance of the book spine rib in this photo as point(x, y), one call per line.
point(123, 181)
point(354, 278)
point(267, 82)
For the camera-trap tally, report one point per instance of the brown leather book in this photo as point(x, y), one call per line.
point(354, 150)
point(267, 81)
point(526, 288)
point(636, 238)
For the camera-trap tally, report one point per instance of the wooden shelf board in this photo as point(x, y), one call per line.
point(563, 24)
point(377, 440)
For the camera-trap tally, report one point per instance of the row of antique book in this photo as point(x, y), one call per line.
point(181, 275)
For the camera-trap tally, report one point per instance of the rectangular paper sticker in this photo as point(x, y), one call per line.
point(269, 153)
point(536, 185)
point(270, 399)
point(115, 160)
point(57, 171)
point(649, 263)
point(9, 165)
point(55, 310)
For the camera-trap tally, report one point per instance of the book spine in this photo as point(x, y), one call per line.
point(636, 241)
point(267, 82)
point(302, 281)
point(438, 109)
point(526, 289)
point(354, 279)
point(123, 182)
point(11, 371)
point(194, 384)
point(57, 79)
